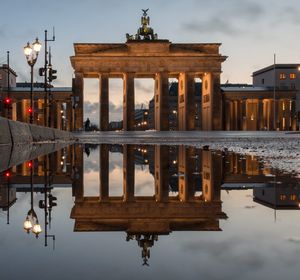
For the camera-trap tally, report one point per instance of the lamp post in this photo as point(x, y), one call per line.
point(32, 52)
point(47, 120)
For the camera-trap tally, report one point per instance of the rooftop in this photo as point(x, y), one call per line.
point(5, 67)
point(276, 66)
point(39, 89)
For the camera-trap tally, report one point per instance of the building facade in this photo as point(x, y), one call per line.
point(282, 76)
point(15, 102)
point(271, 103)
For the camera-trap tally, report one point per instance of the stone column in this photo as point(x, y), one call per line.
point(161, 101)
point(78, 98)
point(54, 113)
point(293, 115)
point(69, 116)
point(236, 114)
point(244, 115)
point(228, 115)
point(104, 101)
point(207, 95)
point(104, 172)
point(57, 114)
point(211, 102)
point(21, 110)
point(288, 114)
point(186, 101)
point(186, 166)
point(277, 124)
point(128, 173)
point(265, 114)
point(260, 115)
point(212, 169)
point(271, 115)
point(161, 177)
point(128, 101)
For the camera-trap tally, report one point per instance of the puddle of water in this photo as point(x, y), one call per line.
point(149, 211)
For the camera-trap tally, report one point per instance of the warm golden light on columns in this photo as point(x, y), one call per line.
point(128, 101)
point(103, 101)
point(161, 101)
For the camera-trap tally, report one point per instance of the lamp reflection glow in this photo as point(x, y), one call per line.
point(31, 222)
point(27, 225)
point(37, 229)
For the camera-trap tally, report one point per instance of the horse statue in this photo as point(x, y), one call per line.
point(145, 32)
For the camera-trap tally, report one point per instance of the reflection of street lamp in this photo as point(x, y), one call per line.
point(31, 52)
point(31, 222)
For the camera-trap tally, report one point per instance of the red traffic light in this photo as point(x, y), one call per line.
point(7, 174)
point(29, 164)
point(7, 100)
point(30, 110)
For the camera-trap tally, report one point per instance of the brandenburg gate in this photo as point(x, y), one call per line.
point(146, 56)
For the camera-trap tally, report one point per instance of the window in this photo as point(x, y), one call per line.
point(263, 81)
point(205, 98)
point(292, 76)
point(0, 76)
point(282, 76)
point(282, 197)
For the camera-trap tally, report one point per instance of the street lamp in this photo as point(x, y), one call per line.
point(32, 52)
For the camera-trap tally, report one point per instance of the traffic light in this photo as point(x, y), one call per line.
point(30, 110)
point(52, 75)
point(7, 102)
point(42, 71)
point(7, 174)
point(51, 201)
point(41, 204)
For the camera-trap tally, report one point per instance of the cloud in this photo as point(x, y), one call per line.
point(247, 10)
point(144, 87)
point(91, 166)
point(288, 14)
point(295, 240)
point(114, 109)
point(230, 17)
point(91, 111)
point(3, 33)
point(213, 25)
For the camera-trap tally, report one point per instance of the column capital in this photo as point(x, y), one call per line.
point(78, 74)
point(128, 74)
point(161, 73)
point(103, 74)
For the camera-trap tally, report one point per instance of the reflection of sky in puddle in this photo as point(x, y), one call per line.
point(256, 242)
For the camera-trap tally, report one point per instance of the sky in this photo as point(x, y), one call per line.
point(250, 31)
